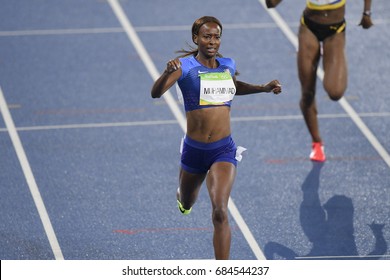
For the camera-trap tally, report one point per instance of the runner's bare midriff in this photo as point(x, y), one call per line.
point(208, 124)
point(326, 16)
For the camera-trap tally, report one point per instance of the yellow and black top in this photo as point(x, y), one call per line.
point(325, 4)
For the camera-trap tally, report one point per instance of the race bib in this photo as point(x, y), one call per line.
point(216, 88)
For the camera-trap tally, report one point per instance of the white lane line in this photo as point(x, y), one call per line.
point(344, 257)
point(245, 230)
point(169, 122)
point(167, 28)
point(94, 125)
point(320, 73)
point(177, 113)
point(299, 117)
point(129, 30)
point(28, 174)
point(42, 32)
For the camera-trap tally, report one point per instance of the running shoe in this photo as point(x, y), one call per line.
point(317, 152)
point(182, 209)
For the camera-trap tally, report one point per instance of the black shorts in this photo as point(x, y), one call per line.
point(323, 31)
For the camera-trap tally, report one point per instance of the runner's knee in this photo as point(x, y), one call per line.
point(335, 95)
point(307, 99)
point(335, 92)
point(220, 215)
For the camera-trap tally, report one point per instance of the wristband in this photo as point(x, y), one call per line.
point(367, 13)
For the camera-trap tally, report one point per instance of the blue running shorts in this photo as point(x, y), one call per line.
point(197, 157)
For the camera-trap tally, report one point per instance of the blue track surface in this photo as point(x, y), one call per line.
point(104, 155)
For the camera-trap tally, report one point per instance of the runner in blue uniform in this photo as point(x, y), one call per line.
point(323, 23)
point(208, 85)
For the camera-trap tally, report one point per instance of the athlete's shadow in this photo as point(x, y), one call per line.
point(329, 227)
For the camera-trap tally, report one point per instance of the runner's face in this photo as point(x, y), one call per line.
point(208, 39)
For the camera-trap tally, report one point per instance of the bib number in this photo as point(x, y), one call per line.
point(216, 88)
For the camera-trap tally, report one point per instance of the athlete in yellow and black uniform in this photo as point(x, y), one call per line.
point(325, 4)
point(321, 30)
point(322, 27)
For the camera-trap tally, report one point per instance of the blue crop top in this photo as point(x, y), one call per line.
point(221, 77)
